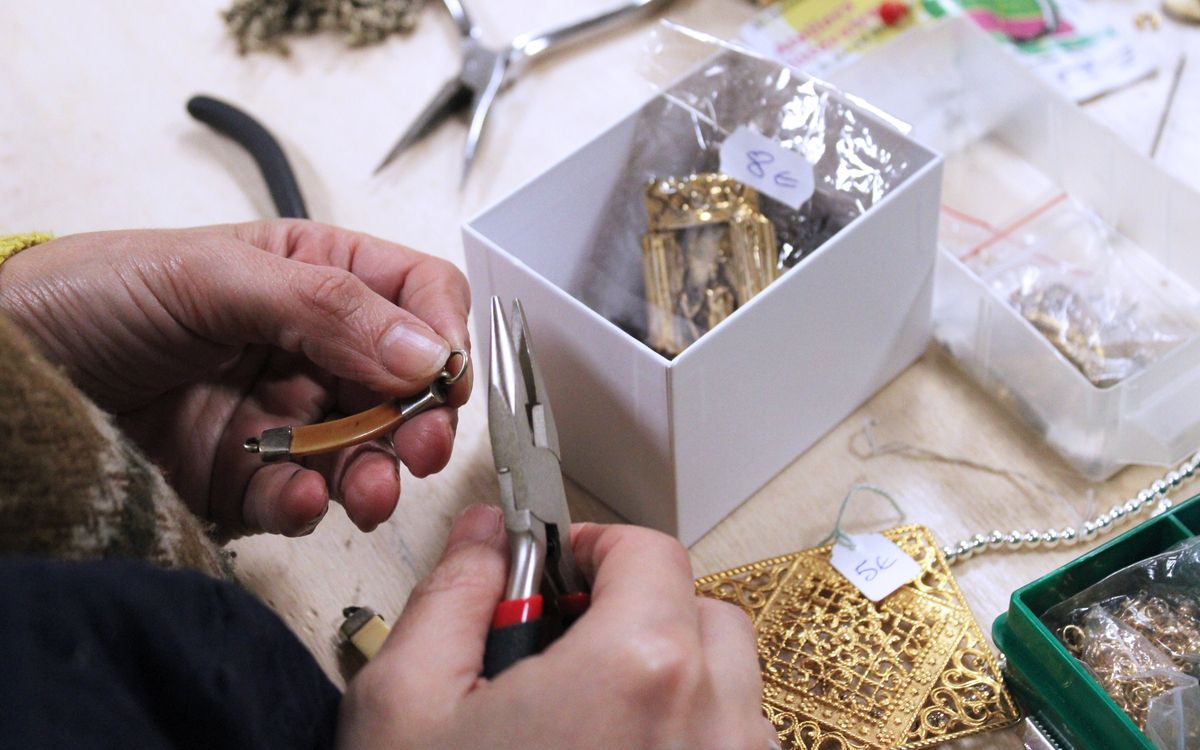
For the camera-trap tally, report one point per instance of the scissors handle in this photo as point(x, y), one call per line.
point(528, 45)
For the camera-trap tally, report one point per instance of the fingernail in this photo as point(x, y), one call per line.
point(478, 524)
point(412, 352)
point(312, 525)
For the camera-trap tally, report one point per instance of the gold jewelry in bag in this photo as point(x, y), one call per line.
point(840, 671)
point(709, 251)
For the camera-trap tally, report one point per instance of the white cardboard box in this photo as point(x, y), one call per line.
point(677, 445)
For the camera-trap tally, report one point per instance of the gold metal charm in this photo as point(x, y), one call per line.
point(709, 251)
point(1137, 648)
point(910, 671)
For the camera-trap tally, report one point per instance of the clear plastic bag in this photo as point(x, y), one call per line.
point(1104, 303)
point(1138, 632)
point(1108, 306)
point(1133, 672)
point(668, 282)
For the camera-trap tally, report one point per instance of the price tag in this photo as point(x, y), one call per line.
point(765, 165)
point(876, 566)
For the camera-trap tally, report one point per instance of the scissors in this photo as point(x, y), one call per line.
point(486, 72)
point(526, 453)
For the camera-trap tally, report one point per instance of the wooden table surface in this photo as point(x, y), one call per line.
point(93, 135)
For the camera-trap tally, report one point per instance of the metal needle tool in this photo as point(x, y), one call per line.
point(1166, 113)
point(485, 72)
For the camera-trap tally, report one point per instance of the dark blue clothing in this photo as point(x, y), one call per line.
point(121, 654)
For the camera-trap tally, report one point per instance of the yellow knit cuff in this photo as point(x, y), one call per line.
point(12, 244)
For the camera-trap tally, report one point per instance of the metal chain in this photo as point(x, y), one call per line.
point(1068, 536)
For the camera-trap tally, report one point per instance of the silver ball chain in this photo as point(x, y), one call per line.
point(1101, 525)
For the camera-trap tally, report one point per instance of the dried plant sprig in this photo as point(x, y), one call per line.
point(262, 25)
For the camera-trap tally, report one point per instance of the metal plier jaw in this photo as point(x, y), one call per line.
point(487, 71)
point(526, 453)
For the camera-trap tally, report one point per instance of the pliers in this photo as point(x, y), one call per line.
point(526, 453)
point(485, 72)
point(252, 136)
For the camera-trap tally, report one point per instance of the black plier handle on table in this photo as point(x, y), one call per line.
point(525, 449)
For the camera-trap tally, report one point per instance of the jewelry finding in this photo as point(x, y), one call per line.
point(286, 443)
point(1137, 647)
point(1147, 20)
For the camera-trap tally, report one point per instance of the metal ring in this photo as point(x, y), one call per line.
point(449, 379)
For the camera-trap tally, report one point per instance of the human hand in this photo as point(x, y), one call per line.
point(649, 665)
point(199, 338)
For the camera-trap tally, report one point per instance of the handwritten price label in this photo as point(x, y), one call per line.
point(765, 165)
point(875, 565)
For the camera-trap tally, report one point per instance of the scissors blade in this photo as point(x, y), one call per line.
point(479, 112)
point(453, 97)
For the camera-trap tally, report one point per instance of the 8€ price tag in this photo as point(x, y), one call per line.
point(767, 166)
point(876, 566)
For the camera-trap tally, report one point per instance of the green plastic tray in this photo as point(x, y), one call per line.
point(1048, 681)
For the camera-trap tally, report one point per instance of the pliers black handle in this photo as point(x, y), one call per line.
point(517, 629)
point(241, 127)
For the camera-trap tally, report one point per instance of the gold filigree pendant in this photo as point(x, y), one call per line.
point(840, 671)
point(709, 251)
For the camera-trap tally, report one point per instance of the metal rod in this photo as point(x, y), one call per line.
point(1166, 113)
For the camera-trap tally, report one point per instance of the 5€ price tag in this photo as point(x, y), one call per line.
point(876, 566)
point(765, 165)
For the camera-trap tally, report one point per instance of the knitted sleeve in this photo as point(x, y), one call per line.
point(73, 486)
point(11, 244)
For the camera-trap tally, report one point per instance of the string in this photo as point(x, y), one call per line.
point(841, 536)
point(920, 452)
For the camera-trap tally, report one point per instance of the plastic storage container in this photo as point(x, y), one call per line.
point(1050, 683)
point(961, 91)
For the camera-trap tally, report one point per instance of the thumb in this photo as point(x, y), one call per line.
point(327, 313)
point(438, 641)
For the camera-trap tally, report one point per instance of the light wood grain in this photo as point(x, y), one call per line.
point(93, 135)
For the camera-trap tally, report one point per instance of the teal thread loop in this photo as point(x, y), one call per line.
point(841, 536)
